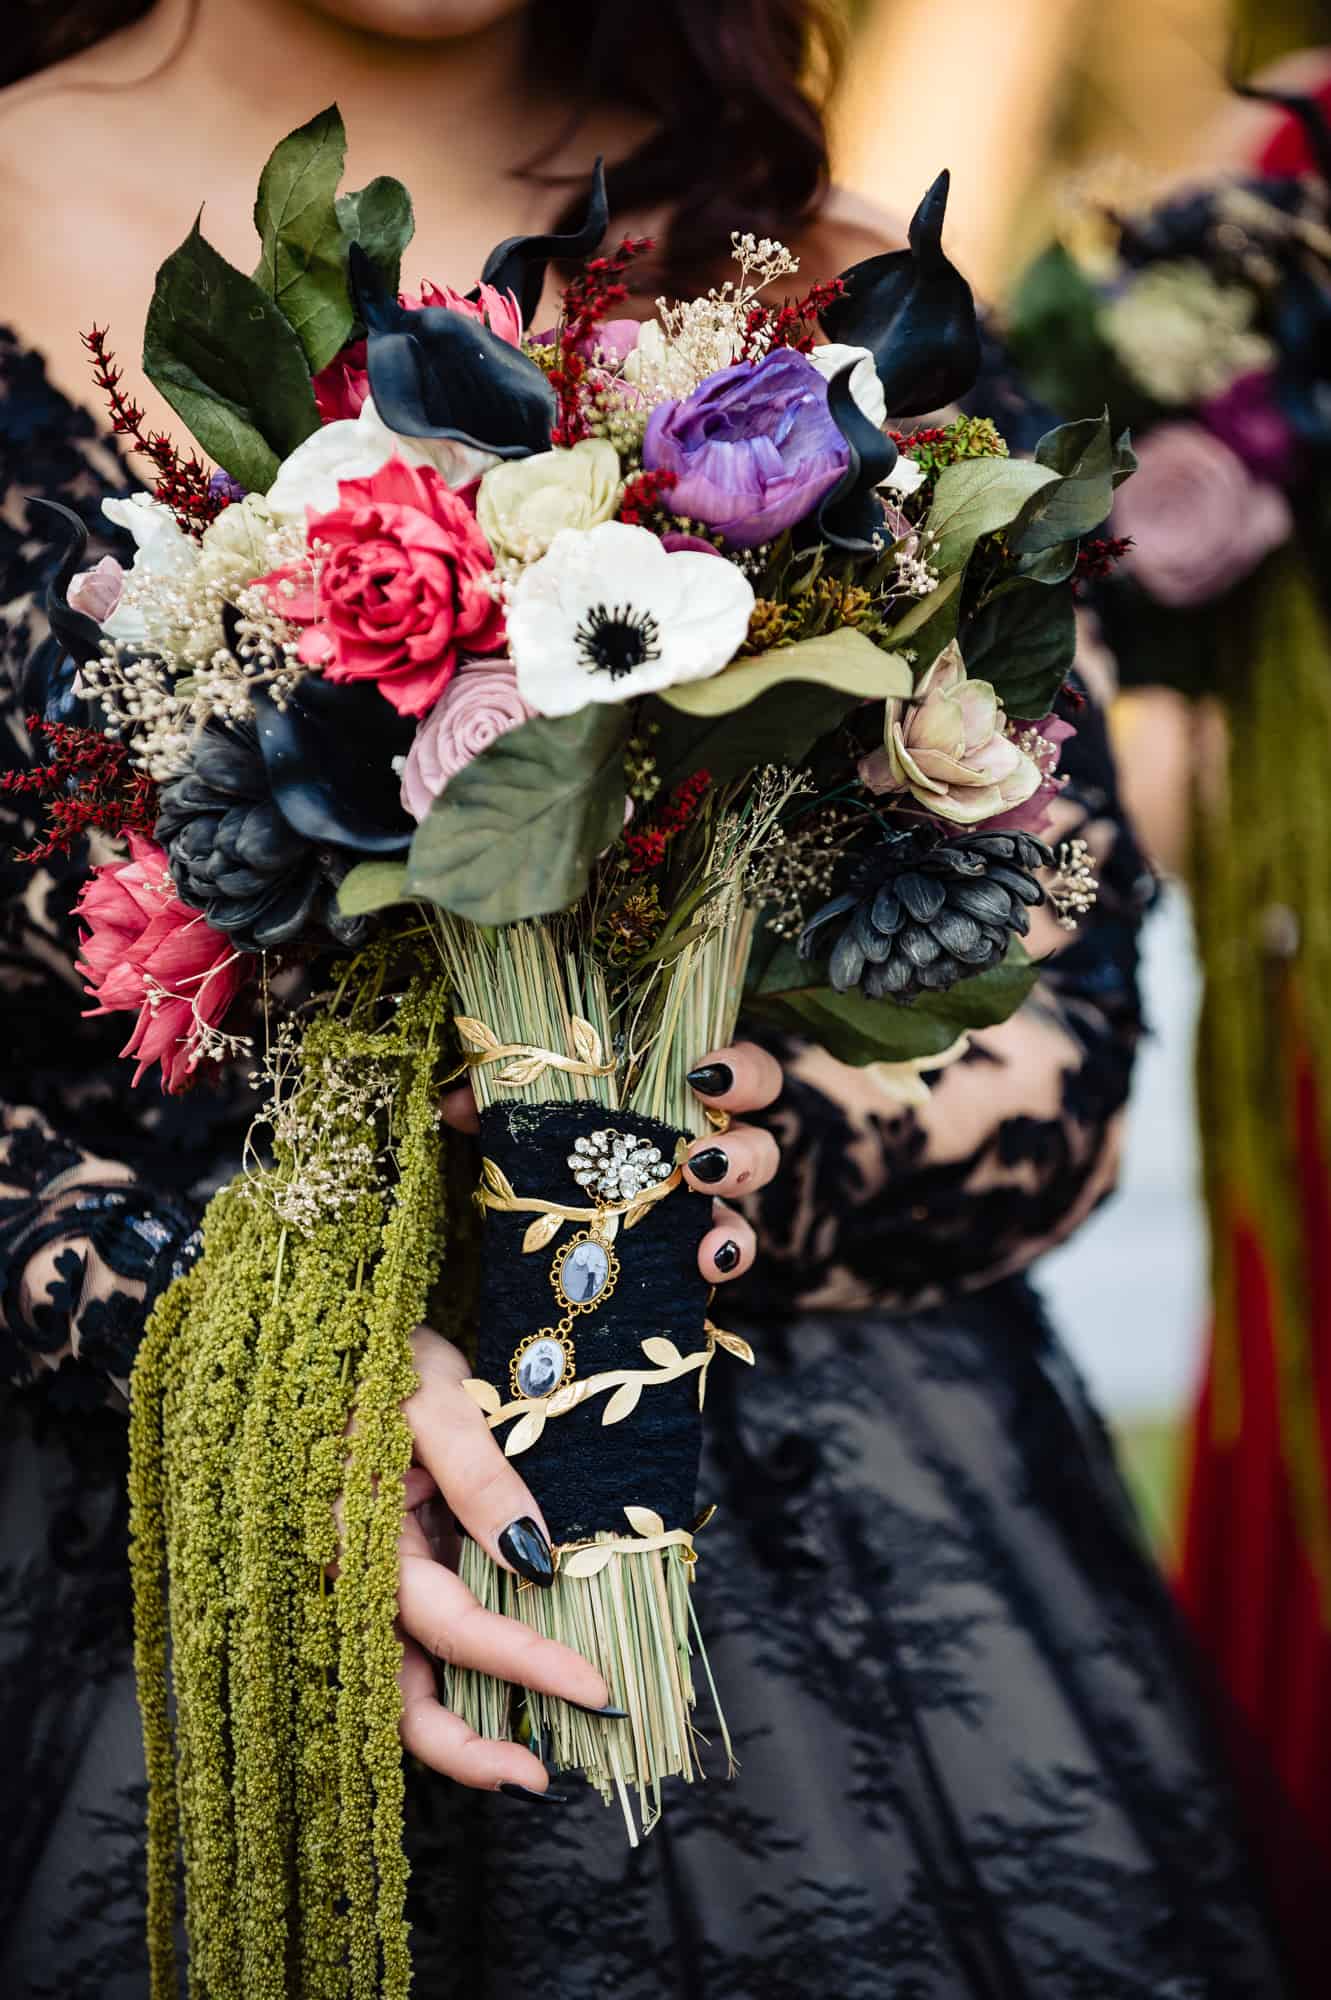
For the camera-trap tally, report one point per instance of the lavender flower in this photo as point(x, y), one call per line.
point(753, 449)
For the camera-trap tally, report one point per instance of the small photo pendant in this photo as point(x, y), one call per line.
point(543, 1363)
point(584, 1273)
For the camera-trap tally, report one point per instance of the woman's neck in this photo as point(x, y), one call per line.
point(264, 66)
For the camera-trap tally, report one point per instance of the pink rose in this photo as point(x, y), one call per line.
point(96, 591)
point(402, 588)
point(480, 703)
point(146, 953)
point(1198, 520)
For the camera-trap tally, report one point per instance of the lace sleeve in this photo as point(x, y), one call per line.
point(88, 1237)
point(892, 1206)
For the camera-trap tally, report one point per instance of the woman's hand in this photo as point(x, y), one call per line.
point(458, 1460)
point(738, 1161)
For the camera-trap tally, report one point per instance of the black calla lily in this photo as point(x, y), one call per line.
point(80, 635)
point(914, 312)
point(436, 373)
point(328, 753)
point(852, 513)
point(519, 263)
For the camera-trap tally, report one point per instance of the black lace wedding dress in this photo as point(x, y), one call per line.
point(974, 1762)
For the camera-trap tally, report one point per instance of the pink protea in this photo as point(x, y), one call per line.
point(498, 310)
point(146, 953)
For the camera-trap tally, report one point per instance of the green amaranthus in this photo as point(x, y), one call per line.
point(269, 1384)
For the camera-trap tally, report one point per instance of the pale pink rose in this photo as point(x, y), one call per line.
point(96, 591)
point(1198, 520)
point(147, 953)
point(480, 703)
point(947, 747)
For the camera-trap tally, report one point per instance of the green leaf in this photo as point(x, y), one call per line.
point(858, 1030)
point(1089, 465)
point(844, 659)
point(380, 219)
point(372, 885)
point(224, 357)
point(923, 613)
point(779, 727)
point(303, 266)
point(516, 831)
point(1054, 331)
point(1023, 642)
point(977, 497)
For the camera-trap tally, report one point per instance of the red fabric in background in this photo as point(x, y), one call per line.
point(1249, 1589)
point(1247, 1584)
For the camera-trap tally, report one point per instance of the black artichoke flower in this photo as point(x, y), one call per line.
point(923, 909)
point(233, 855)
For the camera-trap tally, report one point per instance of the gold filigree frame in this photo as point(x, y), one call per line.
point(561, 1257)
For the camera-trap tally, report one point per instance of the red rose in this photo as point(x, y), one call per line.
point(401, 592)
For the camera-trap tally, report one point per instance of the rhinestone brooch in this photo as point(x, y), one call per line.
point(614, 1166)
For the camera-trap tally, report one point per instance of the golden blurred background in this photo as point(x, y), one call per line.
point(1022, 99)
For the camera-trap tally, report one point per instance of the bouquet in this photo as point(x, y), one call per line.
point(515, 700)
point(1204, 320)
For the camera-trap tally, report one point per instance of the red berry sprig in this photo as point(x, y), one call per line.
point(588, 302)
point(86, 782)
point(647, 847)
point(183, 485)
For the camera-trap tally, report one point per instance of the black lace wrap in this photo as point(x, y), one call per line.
point(584, 1472)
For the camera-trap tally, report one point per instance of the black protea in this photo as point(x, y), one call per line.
point(923, 909)
point(234, 856)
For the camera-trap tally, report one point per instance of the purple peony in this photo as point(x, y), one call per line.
point(753, 449)
point(1248, 419)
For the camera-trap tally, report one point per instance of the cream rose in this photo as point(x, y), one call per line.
point(523, 504)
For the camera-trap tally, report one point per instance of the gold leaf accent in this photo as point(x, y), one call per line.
point(734, 1345)
point(702, 1388)
point(525, 1433)
point(483, 1393)
point(476, 1032)
point(565, 1399)
point(660, 1350)
point(644, 1522)
point(704, 1517)
point(586, 1562)
point(623, 1403)
point(497, 1181)
point(525, 1069)
point(540, 1232)
point(586, 1041)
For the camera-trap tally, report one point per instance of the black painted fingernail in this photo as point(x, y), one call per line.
point(710, 1166)
point(712, 1079)
point(727, 1257)
point(525, 1547)
point(610, 1712)
point(529, 1792)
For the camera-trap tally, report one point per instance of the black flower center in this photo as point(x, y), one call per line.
point(615, 639)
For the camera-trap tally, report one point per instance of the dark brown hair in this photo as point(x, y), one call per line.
point(736, 87)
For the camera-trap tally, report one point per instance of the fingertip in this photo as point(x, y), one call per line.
point(458, 1110)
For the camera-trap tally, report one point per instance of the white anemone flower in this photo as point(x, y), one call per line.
point(161, 549)
point(829, 359)
point(356, 448)
point(608, 613)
